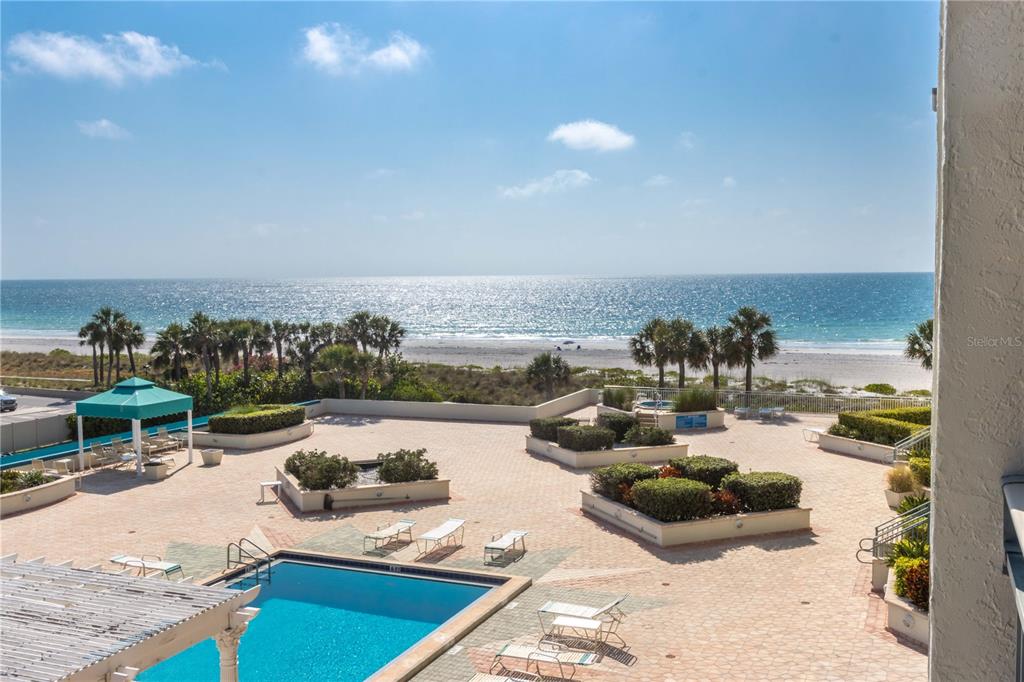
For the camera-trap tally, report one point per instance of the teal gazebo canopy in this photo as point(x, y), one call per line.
point(135, 399)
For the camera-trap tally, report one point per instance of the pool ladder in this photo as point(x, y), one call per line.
point(250, 555)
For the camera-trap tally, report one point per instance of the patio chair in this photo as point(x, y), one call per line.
point(387, 534)
point(503, 546)
point(158, 459)
point(813, 435)
point(163, 434)
point(561, 608)
point(765, 413)
point(535, 656)
point(40, 466)
point(120, 447)
point(778, 412)
point(510, 676)
point(104, 455)
point(442, 535)
point(146, 563)
point(742, 412)
point(151, 444)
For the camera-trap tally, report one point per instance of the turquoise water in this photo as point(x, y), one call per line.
point(813, 309)
point(326, 624)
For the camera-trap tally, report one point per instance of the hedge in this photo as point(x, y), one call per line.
point(648, 436)
point(912, 580)
point(316, 470)
point(619, 423)
point(914, 415)
point(921, 469)
point(260, 419)
point(876, 429)
point(585, 438)
point(405, 465)
point(619, 398)
point(13, 481)
point(612, 481)
point(695, 400)
point(710, 470)
point(547, 429)
point(105, 426)
point(672, 499)
point(764, 490)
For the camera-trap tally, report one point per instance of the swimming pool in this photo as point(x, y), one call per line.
point(327, 623)
point(655, 404)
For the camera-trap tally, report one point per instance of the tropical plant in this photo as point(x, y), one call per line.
point(305, 345)
point(202, 335)
point(385, 335)
point(919, 344)
point(339, 361)
point(91, 334)
point(547, 371)
point(900, 480)
point(365, 364)
point(686, 345)
point(281, 336)
point(405, 465)
point(721, 350)
point(752, 339)
point(251, 337)
point(171, 350)
point(650, 347)
point(105, 318)
point(359, 328)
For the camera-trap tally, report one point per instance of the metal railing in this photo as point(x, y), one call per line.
point(819, 403)
point(251, 556)
point(919, 440)
point(1013, 531)
point(910, 524)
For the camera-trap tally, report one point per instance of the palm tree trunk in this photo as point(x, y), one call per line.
point(682, 375)
point(661, 376)
point(102, 354)
point(131, 359)
point(280, 357)
point(117, 369)
point(95, 367)
point(110, 364)
point(750, 375)
point(714, 375)
point(245, 366)
point(206, 369)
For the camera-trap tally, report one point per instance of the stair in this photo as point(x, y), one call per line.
point(646, 418)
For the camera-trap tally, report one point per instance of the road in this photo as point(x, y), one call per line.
point(33, 407)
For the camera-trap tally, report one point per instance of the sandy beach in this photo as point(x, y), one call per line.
point(840, 368)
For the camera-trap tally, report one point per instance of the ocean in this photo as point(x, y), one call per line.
point(855, 312)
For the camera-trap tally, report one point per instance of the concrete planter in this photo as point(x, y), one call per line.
point(700, 530)
point(40, 496)
point(211, 456)
point(599, 458)
point(893, 499)
point(361, 496)
point(155, 471)
point(903, 618)
point(252, 441)
point(856, 448)
point(691, 421)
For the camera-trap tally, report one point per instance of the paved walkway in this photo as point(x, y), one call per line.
point(794, 607)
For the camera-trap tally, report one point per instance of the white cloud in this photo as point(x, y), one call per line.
point(115, 60)
point(687, 139)
point(728, 182)
point(590, 134)
point(103, 128)
point(658, 180)
point(334, 49)
point(559, 181)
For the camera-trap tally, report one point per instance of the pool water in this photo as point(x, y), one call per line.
point(655, 404)
point(328, 624)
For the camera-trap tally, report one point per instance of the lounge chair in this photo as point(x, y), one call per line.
point(120, 447)
point(163, 434)
point(154, 444)
point(813, 435)
point(147, 563)
point(561, 608)
point(535, 655)
point(742, 412)
point(104, 455)
point(503, 546)
point(442, 535)
point(778, 412)
point(385, 535)
point(765, 413)
point(510, 676)
point(40, 466)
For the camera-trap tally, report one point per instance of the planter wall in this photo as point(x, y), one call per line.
point(691, 421)
point(700, 530)
point(154, 472)
point(40, 496)
point(361, 496)
point(893, 499)
point(903, 618)
point(604, 409)
point(600, 458)
point(856, 448)
point(252, 441)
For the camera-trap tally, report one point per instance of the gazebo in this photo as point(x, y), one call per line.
point(134, 399)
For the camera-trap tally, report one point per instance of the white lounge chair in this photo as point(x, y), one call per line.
point(442, 535)
point(535, 656)
point(561, 608)
point(813, 435)
point(385, 535)
point(503, 546)
point(147, 563)
point(511, 676)
point(163, 434)
point(40, 466)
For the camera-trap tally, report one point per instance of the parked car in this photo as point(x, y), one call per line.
point(8, 402)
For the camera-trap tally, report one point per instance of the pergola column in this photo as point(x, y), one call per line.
point(81, 445)
point(190, 436)
point(228, 640)
point(137, 445)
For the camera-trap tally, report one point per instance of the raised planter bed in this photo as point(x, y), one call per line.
point(154, 471)
point(252, 441)
point(39, 496)
point(700, 530)
point(600, 458)
point(361, 495)
point(903, 618)
point(856, 448)
point(605, 409)
point(691, 421)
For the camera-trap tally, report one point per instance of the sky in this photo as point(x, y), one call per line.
point(321, 139)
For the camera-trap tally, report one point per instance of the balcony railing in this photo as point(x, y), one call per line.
point(1013, 531)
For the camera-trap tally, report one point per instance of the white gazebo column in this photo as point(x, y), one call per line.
point(81, 446)
point(137, 444)
point(227, 643)
point(190, 436)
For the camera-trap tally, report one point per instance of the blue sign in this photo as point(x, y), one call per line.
point(691, 421)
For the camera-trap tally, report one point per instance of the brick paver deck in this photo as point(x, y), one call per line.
point(793, 607)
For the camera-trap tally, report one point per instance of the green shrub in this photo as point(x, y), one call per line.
point(257, 419)
point(584, 438)
point(912, 580)
point(316, 470)
point(619, 398)
point(619, 423)
point(547, 429)
point(844, 431)
point(405, 465)
point(293, 465)
point(764, 490)
point(921, 469)
point(710, 470)
point(648, 435)
point(415, 392)
point(908, 548)
point(93, 427)
point(673, 499)
point(13, 481)
point(878, 429)
point(908, 503)
point(881, 389)
point(612, 481)
point(696, 399)
point(914, 415)
point(899, 480)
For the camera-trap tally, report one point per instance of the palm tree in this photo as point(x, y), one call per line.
point(129, 336)
point(307, 340)
point(248, 337)
point(685, 345)
point(753, 339)
point(650, 347)
point(919, 344)
point(117, 338)
point(202, 335)
point(358, 326)
point(385, 335)
point(91, 333)
point(339, 360)
point(105, 318)
point(365, 364)
point(548, 370)
point(281, 335)
point(171, 350)
point(720, 350)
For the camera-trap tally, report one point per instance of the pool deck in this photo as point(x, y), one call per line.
point(793, 607)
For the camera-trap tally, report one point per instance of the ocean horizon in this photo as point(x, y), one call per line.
point(844, 312)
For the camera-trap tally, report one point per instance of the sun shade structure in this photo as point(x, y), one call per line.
point(135, 399)
point(66, 623)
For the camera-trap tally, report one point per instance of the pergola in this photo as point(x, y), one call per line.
point(135, 399)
